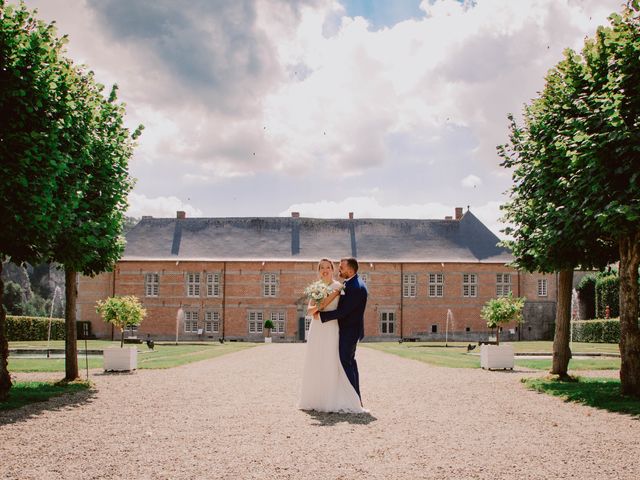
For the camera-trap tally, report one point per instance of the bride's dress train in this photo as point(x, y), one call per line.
point(325, 386)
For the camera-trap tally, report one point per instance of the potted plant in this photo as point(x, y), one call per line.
point(121, 312)
point(496, 312)
point(268, 325)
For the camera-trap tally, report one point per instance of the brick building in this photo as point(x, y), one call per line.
point(210, 278)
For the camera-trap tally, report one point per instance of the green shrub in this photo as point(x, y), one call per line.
point(596, 331)
point(607, 293)
point(34, 328)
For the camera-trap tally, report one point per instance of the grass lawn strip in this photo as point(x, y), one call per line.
point(595, 392)
point(23, 393)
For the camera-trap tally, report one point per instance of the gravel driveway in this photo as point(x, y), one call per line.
point(234, 417)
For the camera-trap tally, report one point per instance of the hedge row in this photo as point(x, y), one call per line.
point(33, 328)
point(596, 331)
point(607, 294)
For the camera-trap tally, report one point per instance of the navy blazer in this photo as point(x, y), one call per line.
point(350, 311)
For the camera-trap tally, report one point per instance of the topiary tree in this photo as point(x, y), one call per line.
point(121, 312)
point(268, 325)
point(502, 310)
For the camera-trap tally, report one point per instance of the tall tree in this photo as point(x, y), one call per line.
point(34, 109)
point(595, 121)
point(549, 232)
point(92, 241)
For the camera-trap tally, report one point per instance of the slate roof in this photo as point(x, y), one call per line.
point(301, 238)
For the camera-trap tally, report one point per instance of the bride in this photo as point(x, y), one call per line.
point(325, 386)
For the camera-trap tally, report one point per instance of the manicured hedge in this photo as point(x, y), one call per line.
point(596, 331)
point(34, 328)
point(607, 293)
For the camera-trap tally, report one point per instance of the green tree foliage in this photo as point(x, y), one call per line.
point(502, 310)
point(122, 312)
point(64, 177)
point(576, 194)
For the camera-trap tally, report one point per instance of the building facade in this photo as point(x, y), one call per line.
point(207, 279)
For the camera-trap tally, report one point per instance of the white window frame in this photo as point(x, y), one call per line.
point(131, 329)
point(213, 284)
point(543, 287)
point(470, 285)
point(191, 318)
point(279, 319)
point(151, 284)
point(503, 284)
point(436, 285)
point(409, 285)
point(387, 319)
point(212, 321)
point(270, 283)
point(193, 284)
point(255, 320)
point(365, 278)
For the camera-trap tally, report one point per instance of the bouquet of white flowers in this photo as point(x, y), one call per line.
point(318, 291)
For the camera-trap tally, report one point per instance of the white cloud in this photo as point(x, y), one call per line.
point(471, 181)
point(162, 207)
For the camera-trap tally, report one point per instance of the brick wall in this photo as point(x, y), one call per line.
point(241, 291)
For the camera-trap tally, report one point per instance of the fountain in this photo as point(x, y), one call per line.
point(56, 293)
point(574, 315)
point(446, 329)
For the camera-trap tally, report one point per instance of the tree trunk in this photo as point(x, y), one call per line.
point(71, 337)
point(561, 350)
point(629, 247)
point(5, 378)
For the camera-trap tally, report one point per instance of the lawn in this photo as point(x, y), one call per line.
point(595, 392)
point(164, 355)
point(456, 356)
point(23, 393)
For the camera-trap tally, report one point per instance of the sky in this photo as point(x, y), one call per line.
point(387, 109)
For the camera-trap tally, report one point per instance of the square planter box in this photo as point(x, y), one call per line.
point(496, 356)
point(267, 339)
point(120, 359)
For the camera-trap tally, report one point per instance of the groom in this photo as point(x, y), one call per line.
point(350, 316)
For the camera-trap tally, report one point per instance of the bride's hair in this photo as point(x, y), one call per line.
point(326, 260)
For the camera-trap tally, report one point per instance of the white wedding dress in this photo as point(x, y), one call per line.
point(325, 386)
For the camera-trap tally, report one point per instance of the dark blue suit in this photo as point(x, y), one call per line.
point(350, 316)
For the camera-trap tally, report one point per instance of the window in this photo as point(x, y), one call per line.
point(387, 322)
point(213, 284)
point(212, 322)
point(365, 278)
point(434, 328)
point(191, 321)
point(469, 285)
point(409, 285)
point(467, 329)
point(436, 284)
point(307, 324)
point(256, 321)
point(131, 329)
point(503, 284)
point(542, 287)
point(151, 284)
point(193, 284)
point(270, 284)
point(278, 322)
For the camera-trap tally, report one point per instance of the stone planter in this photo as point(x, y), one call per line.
point(496, 357)
point(267, 339)
point(120, 359)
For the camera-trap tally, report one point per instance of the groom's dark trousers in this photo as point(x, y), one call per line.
point(350, 316)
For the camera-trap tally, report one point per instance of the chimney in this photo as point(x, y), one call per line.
point(181, 214)
point(295, 214)
point(458, 213)
point(350, 215)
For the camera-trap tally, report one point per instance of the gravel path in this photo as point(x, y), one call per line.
point(234, 417)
